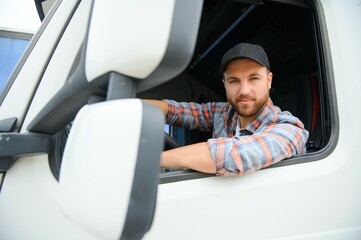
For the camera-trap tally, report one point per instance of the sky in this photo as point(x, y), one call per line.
point(19, 15)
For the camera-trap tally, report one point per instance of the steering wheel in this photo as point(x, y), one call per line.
point(169, 142)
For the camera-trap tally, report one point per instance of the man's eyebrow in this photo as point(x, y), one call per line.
point(230, 77)
point(254, 74)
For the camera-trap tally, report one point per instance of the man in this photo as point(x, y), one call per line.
point(249, 132)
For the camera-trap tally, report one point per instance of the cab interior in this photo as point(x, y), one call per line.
point(288, 31)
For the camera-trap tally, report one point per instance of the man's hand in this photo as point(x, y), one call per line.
point(162, 105)
point(196, 156)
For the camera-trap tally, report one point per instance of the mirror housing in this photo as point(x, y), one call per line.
point(109, 173)
point(152, 41)
point(109, 68)
point(138, 47)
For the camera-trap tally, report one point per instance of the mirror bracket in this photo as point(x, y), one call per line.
point(120, 86)
point(14, 145)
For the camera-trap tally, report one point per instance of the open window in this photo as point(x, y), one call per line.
point(290, 33)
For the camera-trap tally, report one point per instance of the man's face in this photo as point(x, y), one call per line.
point(247, 86)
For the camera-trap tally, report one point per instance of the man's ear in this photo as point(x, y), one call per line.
point(224, 83)
point(269, 78)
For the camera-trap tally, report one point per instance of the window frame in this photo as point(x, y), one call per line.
point(13, 35)
point(34, 39)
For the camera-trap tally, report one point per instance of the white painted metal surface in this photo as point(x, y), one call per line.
point(99, 177)
point(139, 47)
point(66, 51)
point(316, 200)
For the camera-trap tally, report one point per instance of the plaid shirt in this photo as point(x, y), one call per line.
point(270, 138)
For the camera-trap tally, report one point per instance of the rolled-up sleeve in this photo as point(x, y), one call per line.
point(190, 115)
point(246, 154)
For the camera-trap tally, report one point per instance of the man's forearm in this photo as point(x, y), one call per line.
point(196, 156)
point(159, 103)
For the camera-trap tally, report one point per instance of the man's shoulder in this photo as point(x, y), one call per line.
point(284, 117)
point(276, 115)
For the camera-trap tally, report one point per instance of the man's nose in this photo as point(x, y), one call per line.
point(244, 88)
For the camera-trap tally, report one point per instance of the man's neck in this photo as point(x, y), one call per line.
point(244, 122)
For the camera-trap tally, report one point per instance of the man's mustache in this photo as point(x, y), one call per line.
point(244, 97)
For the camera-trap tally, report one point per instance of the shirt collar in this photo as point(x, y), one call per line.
point(262, 116)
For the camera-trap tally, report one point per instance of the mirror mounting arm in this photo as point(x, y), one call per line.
point(14, 145)
point(120, 86)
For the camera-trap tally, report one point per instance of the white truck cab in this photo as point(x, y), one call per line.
point(80, 150)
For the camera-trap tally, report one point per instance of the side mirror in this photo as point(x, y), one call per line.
point(151, 41)
point(131, 46)
point(140, 45)
point(110, 166)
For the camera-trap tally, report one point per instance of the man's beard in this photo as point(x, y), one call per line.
point(251, 110)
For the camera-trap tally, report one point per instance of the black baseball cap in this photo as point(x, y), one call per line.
point(245, 50)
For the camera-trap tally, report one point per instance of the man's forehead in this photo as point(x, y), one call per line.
point(252, 72)
point(245, 72)
point(243, 62)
